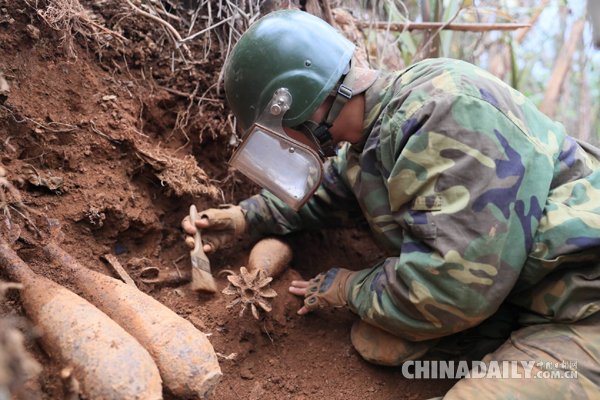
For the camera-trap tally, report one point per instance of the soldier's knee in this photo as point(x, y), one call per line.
point(381, 347)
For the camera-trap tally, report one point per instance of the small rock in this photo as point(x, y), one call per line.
point(178, 292)
point(6, 19)
point(247, 374)
point(139, 54)
point(4, 86)
point(197, 322)
point(371, 389)
point(120, 249)
point(109, 97)
point(33, 32)
point(257, 392)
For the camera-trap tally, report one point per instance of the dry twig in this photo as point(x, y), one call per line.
point(171, 29)
point(464, 27)
point(184, 94)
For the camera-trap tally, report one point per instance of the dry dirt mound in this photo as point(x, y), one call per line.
point(98, 143)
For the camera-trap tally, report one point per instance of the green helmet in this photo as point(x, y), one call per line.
point(285, 49)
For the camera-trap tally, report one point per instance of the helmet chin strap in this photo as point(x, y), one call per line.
point(318, 133)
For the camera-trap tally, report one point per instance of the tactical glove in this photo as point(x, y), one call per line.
point(225, 224)
point(328, 289)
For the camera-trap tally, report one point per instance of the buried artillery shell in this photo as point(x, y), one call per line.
point(272, 255)
point(107, 361)
point(184, 356)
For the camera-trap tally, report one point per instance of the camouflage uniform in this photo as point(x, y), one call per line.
point(492, 209)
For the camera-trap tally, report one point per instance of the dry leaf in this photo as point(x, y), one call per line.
point(53, 183)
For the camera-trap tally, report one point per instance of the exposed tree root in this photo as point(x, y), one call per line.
point(180, 175)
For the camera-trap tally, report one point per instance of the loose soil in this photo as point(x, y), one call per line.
point(114, 199)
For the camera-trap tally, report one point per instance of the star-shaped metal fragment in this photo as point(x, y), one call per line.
point(250, 288)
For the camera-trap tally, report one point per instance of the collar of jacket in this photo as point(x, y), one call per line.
point(375, 102)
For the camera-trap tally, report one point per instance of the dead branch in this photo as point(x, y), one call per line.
point(184, 94)
point(104, 135)
point(463, 27)
point(435, 38)
point(167, 25)
point(207, 29)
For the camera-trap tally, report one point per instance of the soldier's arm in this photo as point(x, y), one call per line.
point(332, 205)
point(467, 189)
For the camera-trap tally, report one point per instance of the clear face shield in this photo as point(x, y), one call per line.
point(285, 167)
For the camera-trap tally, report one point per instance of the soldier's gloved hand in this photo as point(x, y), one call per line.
point(220, 226)
point(326, 289)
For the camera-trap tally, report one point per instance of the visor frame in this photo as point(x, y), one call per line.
point(293, 143)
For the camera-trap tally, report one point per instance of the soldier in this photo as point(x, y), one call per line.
point(491, 208)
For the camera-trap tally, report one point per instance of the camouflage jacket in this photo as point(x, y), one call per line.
point(483, 198)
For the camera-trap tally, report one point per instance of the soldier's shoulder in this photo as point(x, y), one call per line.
point(445, 80)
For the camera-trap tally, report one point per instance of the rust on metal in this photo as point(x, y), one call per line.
point(271, 254)
point(107, 362)
point(268, 259)
point(185, 358)
point(153, 275)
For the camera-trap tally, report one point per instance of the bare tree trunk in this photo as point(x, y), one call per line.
point(594, 137)
point(430, 13)
point(594, 10)
point(585, 104)
point(565, 55)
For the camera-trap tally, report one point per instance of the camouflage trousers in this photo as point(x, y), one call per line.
point(542, 343)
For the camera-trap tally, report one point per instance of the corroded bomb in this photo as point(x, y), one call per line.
point(272, 255)
point(186, 359)
point(107, 361)
point(268, 259)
